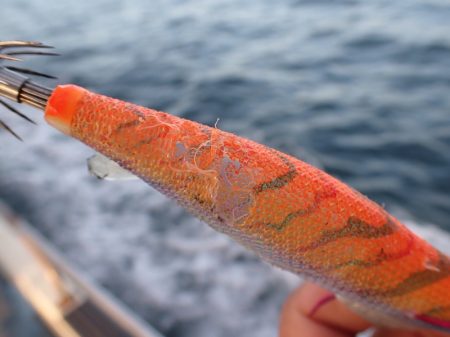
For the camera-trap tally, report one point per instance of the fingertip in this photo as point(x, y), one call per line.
point(294, 324)
point(320, 306)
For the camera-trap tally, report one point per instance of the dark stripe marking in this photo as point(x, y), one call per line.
point(421, 279)
point(436, 310)
point(355, 228)
point(358, 228)
point(380, 258)
point(145, 141)
point(291, 216)
point(281, 180)
point(129, 124)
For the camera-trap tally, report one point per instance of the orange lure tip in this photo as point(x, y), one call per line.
point(62, 105)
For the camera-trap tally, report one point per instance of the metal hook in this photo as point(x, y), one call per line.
point(17, 87)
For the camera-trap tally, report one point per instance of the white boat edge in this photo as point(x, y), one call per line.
point(67, 302)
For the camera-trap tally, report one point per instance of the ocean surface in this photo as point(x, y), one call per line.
point(358, 88)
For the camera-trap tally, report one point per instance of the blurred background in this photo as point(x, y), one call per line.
point(358, 88)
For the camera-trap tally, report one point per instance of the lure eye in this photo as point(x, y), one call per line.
point(14, 85)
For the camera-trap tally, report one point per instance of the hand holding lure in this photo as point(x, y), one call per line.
point(293, 215)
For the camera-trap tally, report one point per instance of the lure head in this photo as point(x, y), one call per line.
point(62, 105)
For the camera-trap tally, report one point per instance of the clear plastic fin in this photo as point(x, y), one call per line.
point(104, 168)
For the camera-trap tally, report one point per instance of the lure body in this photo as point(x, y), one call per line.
point(293, 215)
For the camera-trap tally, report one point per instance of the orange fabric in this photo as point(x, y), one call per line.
point(291, 214)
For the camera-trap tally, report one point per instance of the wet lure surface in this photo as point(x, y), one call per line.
point(291, 214)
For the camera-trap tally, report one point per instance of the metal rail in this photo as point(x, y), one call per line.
point(67, 303)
